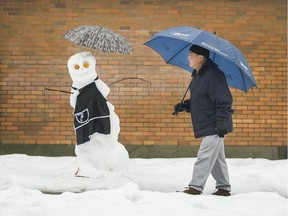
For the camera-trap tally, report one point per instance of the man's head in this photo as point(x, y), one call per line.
point(197, 56)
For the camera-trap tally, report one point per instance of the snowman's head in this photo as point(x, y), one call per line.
point(81, 68)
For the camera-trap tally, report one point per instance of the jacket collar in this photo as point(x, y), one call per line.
point(204, 67)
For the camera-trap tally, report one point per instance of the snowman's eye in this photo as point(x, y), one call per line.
point(76, 66)
point(86, 64)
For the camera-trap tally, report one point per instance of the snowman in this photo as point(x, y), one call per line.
point(95, 122)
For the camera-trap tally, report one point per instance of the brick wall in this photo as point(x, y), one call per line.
point(33, 55)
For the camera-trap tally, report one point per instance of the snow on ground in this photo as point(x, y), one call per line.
point(40, 186)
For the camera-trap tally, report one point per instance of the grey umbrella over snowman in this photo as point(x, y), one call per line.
point(96, 124)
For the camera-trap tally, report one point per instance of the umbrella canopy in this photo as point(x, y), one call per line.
point(99, 38)
point(173, 46)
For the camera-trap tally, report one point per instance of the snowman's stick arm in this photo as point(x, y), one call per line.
point(129, 78)
point(56, 90)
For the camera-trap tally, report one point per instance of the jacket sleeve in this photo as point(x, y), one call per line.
point(220, 95)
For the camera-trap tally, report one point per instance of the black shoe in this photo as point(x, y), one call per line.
point(222, 192)
point(192, 191)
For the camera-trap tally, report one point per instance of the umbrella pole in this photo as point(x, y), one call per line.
point(186, 91)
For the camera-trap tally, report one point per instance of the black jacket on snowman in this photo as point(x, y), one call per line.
point(91, 113)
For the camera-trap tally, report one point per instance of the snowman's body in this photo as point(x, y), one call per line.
point(96, 124)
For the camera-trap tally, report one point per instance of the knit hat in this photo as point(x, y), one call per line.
point(199, 50)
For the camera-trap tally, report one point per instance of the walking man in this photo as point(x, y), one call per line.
point(210, 108)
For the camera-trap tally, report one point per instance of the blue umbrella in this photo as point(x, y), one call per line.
point(173, 46)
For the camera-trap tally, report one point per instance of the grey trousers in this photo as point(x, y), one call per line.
point(211, 160)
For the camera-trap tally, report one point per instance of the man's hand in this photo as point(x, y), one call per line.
point(221, 127)
point(180, 107)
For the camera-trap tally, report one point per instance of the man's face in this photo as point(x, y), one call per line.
point(193, 60)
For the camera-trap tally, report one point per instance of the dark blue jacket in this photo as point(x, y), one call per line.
point(210, 99)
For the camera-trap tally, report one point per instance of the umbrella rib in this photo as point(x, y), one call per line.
point(97, 35)
point(245, 88)
point(178, 53)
